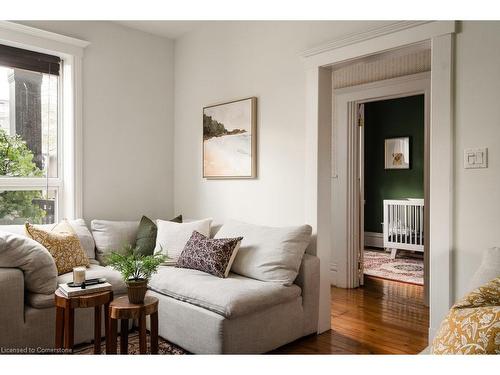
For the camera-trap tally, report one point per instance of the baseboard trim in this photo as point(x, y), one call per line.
point(374, 239)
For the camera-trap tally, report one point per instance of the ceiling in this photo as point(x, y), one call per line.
point(168, 29)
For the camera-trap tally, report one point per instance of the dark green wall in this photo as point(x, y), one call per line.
point(403, 117)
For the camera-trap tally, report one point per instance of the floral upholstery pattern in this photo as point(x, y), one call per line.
point(214, 256)
point(62, 243)
point(473, 324)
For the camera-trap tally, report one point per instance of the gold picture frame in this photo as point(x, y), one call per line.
point(229, 143)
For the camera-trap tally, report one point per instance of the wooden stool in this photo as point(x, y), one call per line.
point(122, 309)
point(65, 317)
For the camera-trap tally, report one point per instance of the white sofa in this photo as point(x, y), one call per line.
point(197, 311)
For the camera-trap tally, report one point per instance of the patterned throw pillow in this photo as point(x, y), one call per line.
point(473, 324)
point(214, 256)
point(62, 243)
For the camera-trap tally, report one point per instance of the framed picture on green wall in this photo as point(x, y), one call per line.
point(397, 153)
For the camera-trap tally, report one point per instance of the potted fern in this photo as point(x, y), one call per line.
point(136, 270)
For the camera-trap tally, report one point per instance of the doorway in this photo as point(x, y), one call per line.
point(320, 164)
point(392, 147)
point(362, 159)
point(347, 188)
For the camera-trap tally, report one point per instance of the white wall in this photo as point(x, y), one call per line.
point(127, 120)
point(237, 59)
point(477, 124)
point(230, 60)
point(128, 131)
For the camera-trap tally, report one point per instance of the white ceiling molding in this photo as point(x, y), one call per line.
point(376, 40)
point(362, 36)
point(18, 35)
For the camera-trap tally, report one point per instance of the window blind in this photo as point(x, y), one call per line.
point(29, 60)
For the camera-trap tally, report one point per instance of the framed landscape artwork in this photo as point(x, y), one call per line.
point(229, 139)
point(397, 153)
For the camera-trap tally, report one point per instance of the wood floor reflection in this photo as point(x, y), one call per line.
point(382, 317)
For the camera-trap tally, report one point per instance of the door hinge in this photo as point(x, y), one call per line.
point(361, 115)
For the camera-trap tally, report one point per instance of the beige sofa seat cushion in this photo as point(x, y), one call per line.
point(230, 297)
point(40, 301)
point(43, 301)
point(95, 271)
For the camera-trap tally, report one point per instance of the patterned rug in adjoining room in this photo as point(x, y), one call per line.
point(403, 268)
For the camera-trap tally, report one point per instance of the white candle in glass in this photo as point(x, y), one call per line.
point(78, 275)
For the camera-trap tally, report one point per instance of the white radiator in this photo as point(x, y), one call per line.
point(403, 225)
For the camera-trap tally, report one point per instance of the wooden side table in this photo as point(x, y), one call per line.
point(122, 309)
point(65, 317)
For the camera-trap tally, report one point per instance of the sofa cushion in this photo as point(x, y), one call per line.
point(112, 236)
point(38, 266)
point(63, 244)
point(43, 301)
point(96, 271)
point(172, 237)
point(231, 297)
point(473, 324)
point(40, 301)
point(267, 253)
point(488, 270)
point(78, 225)
point(146, 235)
point(86, 238)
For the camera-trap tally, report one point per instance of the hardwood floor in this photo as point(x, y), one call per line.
point(382, 317)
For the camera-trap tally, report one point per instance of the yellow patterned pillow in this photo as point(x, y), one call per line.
point(62, 243)
point(473, 324)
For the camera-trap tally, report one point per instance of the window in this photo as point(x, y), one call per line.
point(30, 136)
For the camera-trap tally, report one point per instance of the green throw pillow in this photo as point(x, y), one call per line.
point(146, 235)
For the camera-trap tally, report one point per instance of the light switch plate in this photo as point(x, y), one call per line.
point(476, 158)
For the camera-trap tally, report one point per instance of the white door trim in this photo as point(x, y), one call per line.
point(346, 188)
point(318, 158)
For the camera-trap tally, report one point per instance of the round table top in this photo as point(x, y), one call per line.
point(121, 308)
point(86, 300)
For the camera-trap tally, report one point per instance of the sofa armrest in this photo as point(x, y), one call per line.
point(12, 304)
point(308, 281)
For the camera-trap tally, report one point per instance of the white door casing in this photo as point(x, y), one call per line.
point(360, 125)
point(318, 161)
point(347, 186)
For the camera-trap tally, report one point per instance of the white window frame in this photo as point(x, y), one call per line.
point(69, 181)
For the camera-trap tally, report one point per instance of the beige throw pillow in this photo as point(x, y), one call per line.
point(62, 243)
point(172, 237)
point(268, 253)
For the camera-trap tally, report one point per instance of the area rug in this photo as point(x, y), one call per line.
point(164, 347)
point(405, 268)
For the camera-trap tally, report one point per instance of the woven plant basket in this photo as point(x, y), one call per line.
point(137, 290)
